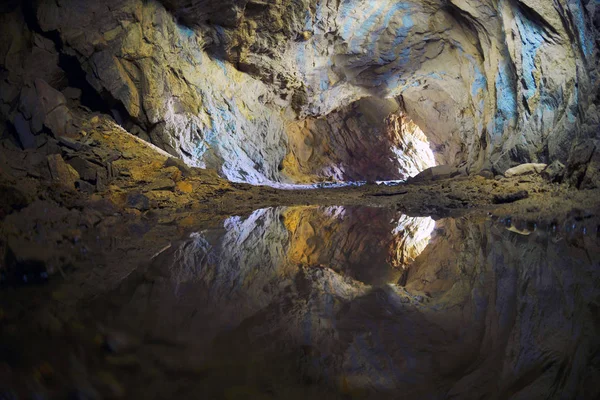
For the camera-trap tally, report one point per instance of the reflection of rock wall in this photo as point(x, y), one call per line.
point(528, 302)
point(248, 253)
point(354, 241)
point(411, 237)
point(485, 312)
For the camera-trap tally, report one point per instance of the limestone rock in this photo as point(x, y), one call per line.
point(525, 169)
point(554, 172)
point(581, 154)
point(258, 90)
point(62, 172)
point(591, 179)
point(436, 173)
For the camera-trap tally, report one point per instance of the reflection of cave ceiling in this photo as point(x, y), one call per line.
point(225, 84)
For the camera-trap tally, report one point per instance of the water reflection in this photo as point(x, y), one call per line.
point(370, 245)
point(310, 302)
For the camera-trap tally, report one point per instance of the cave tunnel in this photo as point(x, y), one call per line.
point(290, 199)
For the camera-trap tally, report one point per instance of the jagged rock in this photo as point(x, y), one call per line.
point(138, 201)
point(87, 170)
point(525, 169)
point(26, 137)
point(85, 187)
point(591, 178)
point(224, 13)
point(554, 172)
point(436, 173)
point(177, 162)
point(581, 154)
point(57, 115)
point(162, 184)
point(62, 172)
point(174, 72)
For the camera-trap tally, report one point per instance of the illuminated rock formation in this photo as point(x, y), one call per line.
point(258, 90)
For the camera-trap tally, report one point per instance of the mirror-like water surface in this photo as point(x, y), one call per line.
point(351, 302)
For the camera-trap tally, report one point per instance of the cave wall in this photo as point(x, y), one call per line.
point(236, 85)
point(492, 83)
point(152, 75)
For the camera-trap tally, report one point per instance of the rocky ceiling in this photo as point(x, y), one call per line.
point(303, 90)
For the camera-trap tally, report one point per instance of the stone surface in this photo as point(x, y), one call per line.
point(436, 173)
point(525, 169)
point(185, 187)
point(554, 172)
point(138, 201)
point(62, 172)
point(237, 86)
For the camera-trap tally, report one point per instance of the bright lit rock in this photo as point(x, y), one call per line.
point(254, 89)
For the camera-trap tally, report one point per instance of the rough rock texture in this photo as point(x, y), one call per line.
point(232, 85)
point(491, 83)
point(368, 140)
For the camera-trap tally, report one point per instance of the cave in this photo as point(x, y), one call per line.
point(290, 199)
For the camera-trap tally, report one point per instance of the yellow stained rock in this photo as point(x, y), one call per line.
point(185, 187)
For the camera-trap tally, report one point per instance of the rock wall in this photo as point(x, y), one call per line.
point(241, 85)
point(369, 140)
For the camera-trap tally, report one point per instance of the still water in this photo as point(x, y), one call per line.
point(355, 302)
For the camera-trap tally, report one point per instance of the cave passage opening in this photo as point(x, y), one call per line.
point(372, 140)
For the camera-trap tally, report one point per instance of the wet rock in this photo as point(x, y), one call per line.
point(510, 197)
point(554, 172)
point(62, 172)
point(525, 169)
